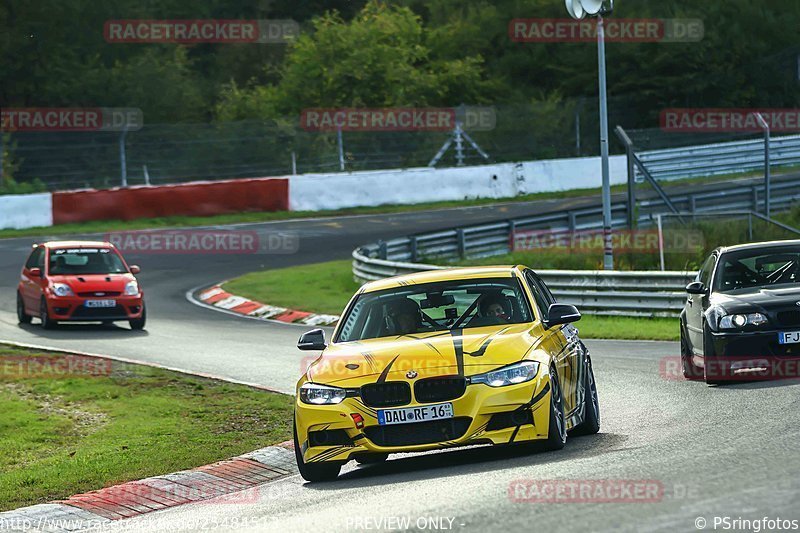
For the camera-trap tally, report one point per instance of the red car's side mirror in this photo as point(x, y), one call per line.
point(135, 269)
point(35, 272)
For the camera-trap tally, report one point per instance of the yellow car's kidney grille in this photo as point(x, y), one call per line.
point(439, 389)
point(388, 394)
point(418, 433)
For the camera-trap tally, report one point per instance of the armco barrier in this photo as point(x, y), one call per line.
point(191, 199)
point(595, 291)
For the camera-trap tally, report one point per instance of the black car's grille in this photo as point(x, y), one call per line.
point(789, 318)
point(418, 433)
point(388, 394)
point(439, 389)
point(98, 294)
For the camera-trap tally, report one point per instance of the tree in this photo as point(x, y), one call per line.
point(381, 58)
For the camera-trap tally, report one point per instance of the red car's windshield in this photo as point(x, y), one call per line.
point(66, 261)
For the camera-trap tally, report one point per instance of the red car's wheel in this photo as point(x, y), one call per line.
point(44, 316)
point(139, 323)
point(22, 316)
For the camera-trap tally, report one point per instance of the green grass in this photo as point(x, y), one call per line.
point(320, 287)
point(327, 287)
point(104, 226)
point(62, 434)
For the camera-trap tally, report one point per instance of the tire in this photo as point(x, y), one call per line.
point(137, 324)
point(22, 316)
point(591, 406)
point(557, 431)
point(314, 472)
point(44, 316)
point(691, 371)
point(371, 458)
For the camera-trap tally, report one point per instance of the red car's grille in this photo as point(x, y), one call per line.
point(98, 294)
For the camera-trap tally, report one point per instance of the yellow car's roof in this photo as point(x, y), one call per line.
point(433, 276)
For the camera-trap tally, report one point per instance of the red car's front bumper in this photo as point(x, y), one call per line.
point(74, 308)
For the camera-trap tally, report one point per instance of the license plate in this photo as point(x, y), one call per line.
point(100, 303)
point(789, 337)
point(408, 415)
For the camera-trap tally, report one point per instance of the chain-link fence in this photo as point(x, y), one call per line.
point(171, 153)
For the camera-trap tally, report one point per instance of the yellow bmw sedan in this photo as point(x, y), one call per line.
point(443, 359)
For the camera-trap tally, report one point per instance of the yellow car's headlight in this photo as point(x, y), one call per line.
point(508, 375)
point(316, 394)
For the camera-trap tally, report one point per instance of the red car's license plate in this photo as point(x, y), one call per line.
point(100, 303)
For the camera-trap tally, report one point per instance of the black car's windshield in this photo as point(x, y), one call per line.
point(435, 307)
point(66, 261)
point(758, 268)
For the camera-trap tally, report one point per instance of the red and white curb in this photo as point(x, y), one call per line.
point(231, 481)
point(216, 296)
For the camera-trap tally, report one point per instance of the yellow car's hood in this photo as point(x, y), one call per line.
point(464, 352)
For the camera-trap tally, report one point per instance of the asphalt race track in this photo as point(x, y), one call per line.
point(728, 451)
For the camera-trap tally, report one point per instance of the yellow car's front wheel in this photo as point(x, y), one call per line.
point(312, 471)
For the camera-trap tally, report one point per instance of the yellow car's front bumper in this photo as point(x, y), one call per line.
point(483, 414)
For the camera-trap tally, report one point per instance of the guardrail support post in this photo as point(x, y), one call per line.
point(692, 206)
point(512, 233)
point(412, 245)
point(462, 243)
point(572, 221)
point(382, 253)
point(755, 198)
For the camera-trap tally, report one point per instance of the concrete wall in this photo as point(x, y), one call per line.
point(313, 192)
point(26, 210)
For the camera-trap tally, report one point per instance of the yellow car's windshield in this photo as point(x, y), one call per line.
point(437, 306)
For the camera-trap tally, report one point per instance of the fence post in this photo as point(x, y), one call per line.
point(382, 252)
point(692, 206)
point(340, 146)
point(631, 175)
point(512, 231)
point(123, 163)
point(294, 163)
point(661, 242)
point(412, 244)
point(755, 198)
point(572, 221)
point(767, 184)
point(461, 243)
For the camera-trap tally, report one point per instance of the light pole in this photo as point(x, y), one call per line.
point(578, 9)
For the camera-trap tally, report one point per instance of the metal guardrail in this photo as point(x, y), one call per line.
point(719, 158)
point(623, 293)
point(598, 292)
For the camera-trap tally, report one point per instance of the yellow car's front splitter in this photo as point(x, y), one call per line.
point(484, 414)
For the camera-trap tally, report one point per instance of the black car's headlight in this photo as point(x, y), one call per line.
point(508, 375)
point(740, 321)
point(316, 394)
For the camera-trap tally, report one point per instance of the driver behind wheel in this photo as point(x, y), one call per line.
point(403, 316)
point(496, 308)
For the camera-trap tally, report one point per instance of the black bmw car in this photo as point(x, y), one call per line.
point(742, 316)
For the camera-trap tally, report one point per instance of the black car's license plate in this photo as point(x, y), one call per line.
point(789, 337)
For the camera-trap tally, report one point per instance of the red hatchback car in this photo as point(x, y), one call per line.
point(79, 281)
